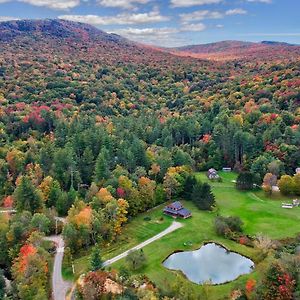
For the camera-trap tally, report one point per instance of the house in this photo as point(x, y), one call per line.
point(226, 169)
point(212, 174)
point(176, 209)
point(296, 202)
point(297, 170)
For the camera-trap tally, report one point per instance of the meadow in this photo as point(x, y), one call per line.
point(259, 213)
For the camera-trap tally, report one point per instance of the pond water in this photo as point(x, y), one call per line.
point(211, 263)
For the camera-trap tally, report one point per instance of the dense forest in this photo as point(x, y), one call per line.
point(99, 129)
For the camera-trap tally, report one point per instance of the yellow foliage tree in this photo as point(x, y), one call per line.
point(121, 215)
point(45, 187)
point(104, 195)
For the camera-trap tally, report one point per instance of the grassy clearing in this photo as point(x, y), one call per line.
point(137, 231)
point(259, 213)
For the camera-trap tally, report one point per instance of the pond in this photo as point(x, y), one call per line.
point(211, 263)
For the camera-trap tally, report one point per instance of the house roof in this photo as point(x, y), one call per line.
point(184, 212)
point(211, 170)
point(175, 205)
point(169, 210)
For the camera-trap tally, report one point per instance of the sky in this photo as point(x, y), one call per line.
point(172, 22)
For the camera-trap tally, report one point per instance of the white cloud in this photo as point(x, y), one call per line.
point(272, 34)
point(120, 19)
point(165, 36)
point(163, 31)
point(188, 3)
point(153, 36)
point(125, 4)
point(235, 11)
point(5, 18)
point(146, 32)
point(262, 1)
point(193, 27)
point(53, 4)
point(200, 15)
point(220, 26)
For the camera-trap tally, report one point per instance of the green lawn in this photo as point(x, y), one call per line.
point(137, 231)
point(259, 213)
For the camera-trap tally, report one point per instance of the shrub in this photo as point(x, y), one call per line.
point(228, 226)
point(136, 259)
point(245, 181)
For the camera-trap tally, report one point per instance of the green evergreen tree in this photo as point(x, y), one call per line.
point(189, 183)
point(102, 165)
point(86, 166)
point(54, 194)
point(2, 285)
point(202, 196)
point(27, 197)
point(62, 204)
point(46, 157)
point(96, 261)
point(245, 181)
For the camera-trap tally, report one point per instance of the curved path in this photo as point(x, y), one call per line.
point(59, 285)
point(174, 226)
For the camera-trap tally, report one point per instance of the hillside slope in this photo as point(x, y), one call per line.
point(237, 50)
point(66, 39)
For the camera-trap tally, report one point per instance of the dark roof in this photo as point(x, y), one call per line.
point(169, 210)
point(175, 205)
point(184, 212)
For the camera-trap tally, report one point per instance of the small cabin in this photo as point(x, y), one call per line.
point(212, 174)
point(226, 169)
point(296, 202)
point(297, 170)
point(176, 209)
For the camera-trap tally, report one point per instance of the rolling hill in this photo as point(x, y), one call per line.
point(237, 50)
point(71, 40)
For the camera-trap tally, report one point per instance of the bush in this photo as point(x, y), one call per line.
point(136, 259)
point(228, 226)
point(245, 181)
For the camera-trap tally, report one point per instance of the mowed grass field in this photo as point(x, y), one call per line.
point(259, 213)
point(134, 233)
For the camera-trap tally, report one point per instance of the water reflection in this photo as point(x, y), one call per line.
point(210, 263)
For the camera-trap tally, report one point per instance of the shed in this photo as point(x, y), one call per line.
point(212, 174)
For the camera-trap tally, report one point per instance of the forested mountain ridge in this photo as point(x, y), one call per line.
point(237, 50)
point(71, 39)
point(100, 129)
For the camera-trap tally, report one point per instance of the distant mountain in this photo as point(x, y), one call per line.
point(56, 29)
point(230, 50)
point(51, 39)
point(216, 47)
point(71, 40)
point(274, 43)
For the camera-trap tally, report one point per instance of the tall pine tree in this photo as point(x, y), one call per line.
point(202, 196)
point(189, 183)
point(102, 165)
point(27, 197)
point(96, 261)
